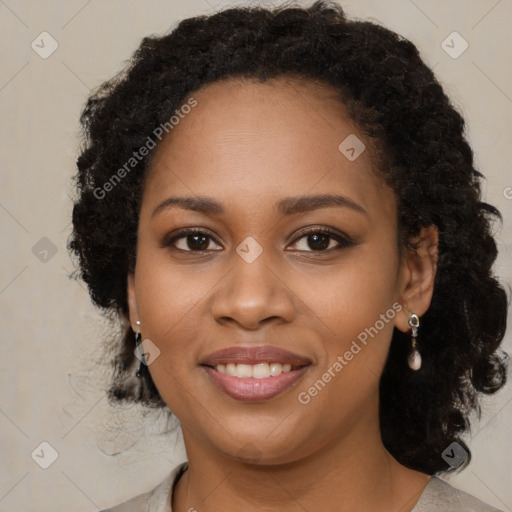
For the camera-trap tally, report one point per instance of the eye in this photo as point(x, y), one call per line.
point(316, 239)
point(320, 240)
point(190, 240)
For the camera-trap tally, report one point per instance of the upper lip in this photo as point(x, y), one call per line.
point(254, 355)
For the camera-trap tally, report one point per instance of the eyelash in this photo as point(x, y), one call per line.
point(343, 240)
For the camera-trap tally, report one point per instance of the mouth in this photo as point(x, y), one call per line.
point(255, 373)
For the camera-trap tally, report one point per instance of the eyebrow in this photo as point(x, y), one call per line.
point(286, 206)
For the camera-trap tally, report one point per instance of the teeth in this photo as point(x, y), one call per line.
point(256, 371)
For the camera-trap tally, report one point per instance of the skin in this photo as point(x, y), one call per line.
point(248, 145)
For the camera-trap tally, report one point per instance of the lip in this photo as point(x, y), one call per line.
point(255, 390)
point(251, 389)
point(255, 355)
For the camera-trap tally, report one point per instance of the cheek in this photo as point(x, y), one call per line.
point(166, 292)
point(355, 306)
point(352, 295)
point(168, 298)
point(168, 301)
point(358, 314)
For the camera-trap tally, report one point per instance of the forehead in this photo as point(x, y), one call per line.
point(280, 137)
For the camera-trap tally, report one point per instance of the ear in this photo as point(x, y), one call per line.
point(418, 272)
point(132, 302)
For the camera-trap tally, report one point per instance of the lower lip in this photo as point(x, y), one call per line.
point(254, 390)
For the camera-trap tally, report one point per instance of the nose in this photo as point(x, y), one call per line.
point(253, 294)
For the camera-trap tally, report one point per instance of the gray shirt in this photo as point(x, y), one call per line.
point(438, 496)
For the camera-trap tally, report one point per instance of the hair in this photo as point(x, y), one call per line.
point(397, 102)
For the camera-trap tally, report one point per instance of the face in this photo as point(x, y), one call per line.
point(266, 283)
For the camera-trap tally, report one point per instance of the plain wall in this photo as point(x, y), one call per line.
point(51, 386)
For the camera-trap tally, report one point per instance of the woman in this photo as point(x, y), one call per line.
point(283, 208)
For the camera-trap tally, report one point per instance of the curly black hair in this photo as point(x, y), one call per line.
point(399, 104)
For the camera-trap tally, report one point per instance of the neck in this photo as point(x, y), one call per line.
point(355, 474)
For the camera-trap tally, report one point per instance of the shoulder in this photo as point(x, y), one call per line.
point(155, 500)
point(137, 504)
point(440, 496)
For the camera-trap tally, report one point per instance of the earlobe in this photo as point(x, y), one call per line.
point(420, 271)
point(132, 301)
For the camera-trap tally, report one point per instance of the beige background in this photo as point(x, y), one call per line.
point(50, 379)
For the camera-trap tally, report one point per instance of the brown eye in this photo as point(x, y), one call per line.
point(190, 240)
point(321, 240)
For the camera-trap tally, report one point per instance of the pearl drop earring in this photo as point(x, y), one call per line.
point(414, 359)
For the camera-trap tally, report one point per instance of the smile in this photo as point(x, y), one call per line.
point(254, 373)
point(257, 371)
